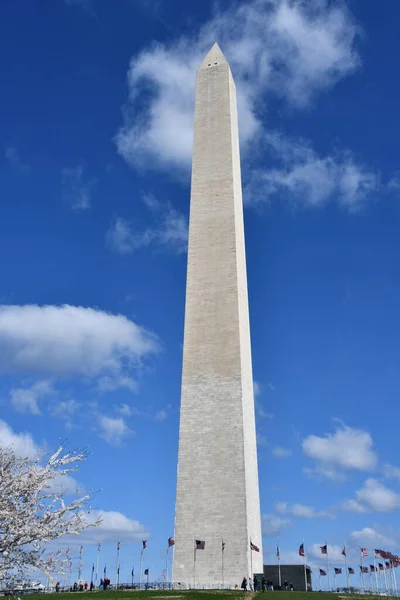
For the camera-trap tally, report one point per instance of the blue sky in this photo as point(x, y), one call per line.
point(95, 129)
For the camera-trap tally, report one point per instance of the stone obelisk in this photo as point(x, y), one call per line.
point(217, 490)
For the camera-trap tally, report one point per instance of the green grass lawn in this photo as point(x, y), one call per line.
point(195, 595)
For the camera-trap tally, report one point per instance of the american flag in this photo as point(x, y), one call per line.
point(364, 552)
point(144, 544)
point(200, 545)
point(338, 571)
point(223, 546)
point(344, 551)
point(171, 542)
point(364, 570)
point(118, 546)
point(254, 547)
point(301, 550)
point(324, 549)
point(378, 554)
point(381, 566)
point(373, 568)
point(322, 572)
point(98, 547)
point(278, 554)
point(388, 565)
point(351, 571)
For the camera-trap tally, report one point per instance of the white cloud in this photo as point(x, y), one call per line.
point(24, 447)
point(260, 410)
point(22, 443)
point(114, 525)
point(306, 178)
point(77, 189)
point(262, 441)
point(161, 416)
point(12, 155)
point(151, 202)
point(394, 183)
point(26, 399)
point(294, 50)
point(334, 552)
point(65, 409)
point(373, 497)
point(301, 511)
point(371, 537)
point(109, 384)
point(121, 239)
point(170, 229)
point(281, 507)
point(71, 341)
point(391, 471)
point(322, 472)
point(273, 524)
point(66, 484)
point(124, 410)
point(346, 448)
point(113, 430)
point(281, 452)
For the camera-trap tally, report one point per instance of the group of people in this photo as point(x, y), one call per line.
point(79, 587)
point(266, 584)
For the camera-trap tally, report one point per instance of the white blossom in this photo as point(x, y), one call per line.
point(33, 513)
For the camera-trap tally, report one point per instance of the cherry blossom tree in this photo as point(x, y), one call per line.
point(33, 512)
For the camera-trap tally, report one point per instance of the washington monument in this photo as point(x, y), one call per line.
point(217, 519)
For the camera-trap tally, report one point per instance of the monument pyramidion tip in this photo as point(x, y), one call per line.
point(213, 58)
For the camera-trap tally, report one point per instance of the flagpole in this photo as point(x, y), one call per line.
point(66, 567)
point(166, 565)
point(376, 575)
point(194, 566)
point(222, 562)
point(305, 570)
point(140, 572)
point(347, 569)
point(251, 560)
point(97, 562)
point(80, 564)
point(394, 579)
point(278, 555)
point(327, 563)
point(385, 576)
point(320, 579)
point(362, 571)
point(132, 572)
point(117, 566)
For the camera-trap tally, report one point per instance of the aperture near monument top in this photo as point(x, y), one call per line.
point(214, 57)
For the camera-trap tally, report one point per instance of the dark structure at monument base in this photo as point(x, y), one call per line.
point(291, 574)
